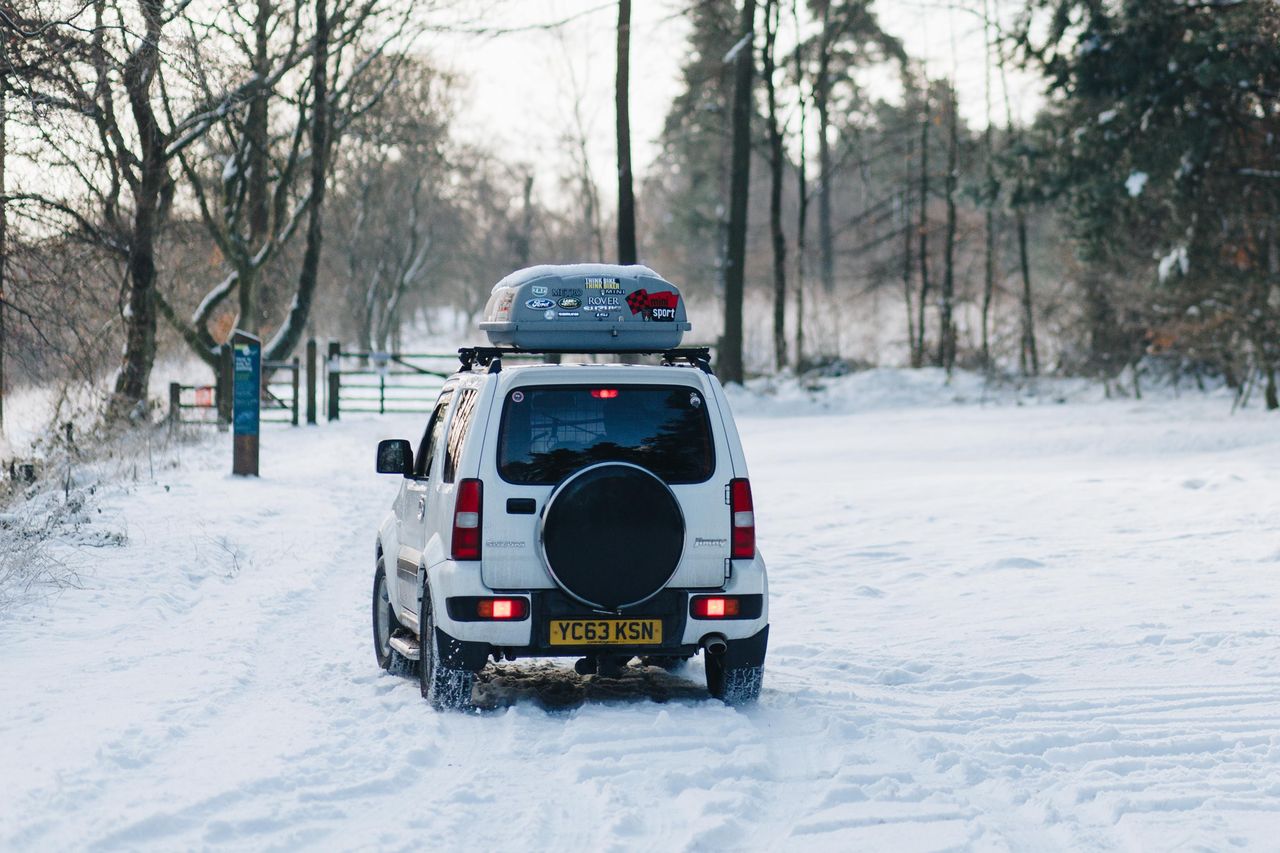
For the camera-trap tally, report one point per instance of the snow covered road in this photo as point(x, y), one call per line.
point(1007, 627)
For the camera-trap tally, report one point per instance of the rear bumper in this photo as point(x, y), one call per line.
point(681, 633)
point(459, 654)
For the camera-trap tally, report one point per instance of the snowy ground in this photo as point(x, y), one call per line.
point(1023, 627)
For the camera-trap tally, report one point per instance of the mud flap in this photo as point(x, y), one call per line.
point(748, 652)
point(461, 654)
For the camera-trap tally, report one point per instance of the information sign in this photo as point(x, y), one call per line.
point(246, 393)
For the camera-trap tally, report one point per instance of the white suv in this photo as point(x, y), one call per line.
point(600, 511)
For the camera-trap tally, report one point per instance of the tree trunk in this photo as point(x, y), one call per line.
point(290, 332)
point(923, 233)
point(988, 286)
point(990, 195)
point(1030, 359)
point(256, 134)
point(776, 162)
point(627, 252)
point(802, 201)
point(525, 246)
point(153, 177)
point(821, 101)
point(946, 305)
point(730, 365)
point(4, 215)
point(907, 254)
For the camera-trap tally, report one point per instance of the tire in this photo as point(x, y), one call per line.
point(444, 687)
point(634, 526)
point(385, 624)
point(733, 685)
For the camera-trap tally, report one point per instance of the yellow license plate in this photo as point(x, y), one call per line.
point(606, 632)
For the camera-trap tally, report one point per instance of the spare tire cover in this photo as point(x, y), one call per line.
point(612, 535)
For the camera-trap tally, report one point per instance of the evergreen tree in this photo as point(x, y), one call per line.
point(1166, 144)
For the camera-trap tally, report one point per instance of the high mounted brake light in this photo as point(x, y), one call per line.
point(467, 518)
point(604, 393)
point(742, 520)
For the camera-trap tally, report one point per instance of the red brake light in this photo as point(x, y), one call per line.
point(715, 607)
point(604, 393)
point(742, 519)
point(502, 608)
point(467, 520)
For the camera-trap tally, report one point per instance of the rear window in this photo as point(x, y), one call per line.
point(549, 432)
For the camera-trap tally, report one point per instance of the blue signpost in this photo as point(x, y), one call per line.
point(246, 402)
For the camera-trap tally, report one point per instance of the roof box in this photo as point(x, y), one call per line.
point(586, 308)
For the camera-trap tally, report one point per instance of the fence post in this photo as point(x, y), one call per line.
point(296, 370)
point(311, 380)
point(382, 394)
point(335, 378)
point(225, 373)
point(175, 406)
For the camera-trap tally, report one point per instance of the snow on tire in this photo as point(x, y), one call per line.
point(385, 624)
point(444, 687)
point(733, 685)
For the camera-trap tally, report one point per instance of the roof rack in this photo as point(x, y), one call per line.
point(491, 357)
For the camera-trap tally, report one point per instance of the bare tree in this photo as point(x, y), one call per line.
point(391, 201)
point(257, 183)
point(946, 302)
point(922, 231)
point(742, 56)
point(802, 185)
point(777, 162)
point(627, 252)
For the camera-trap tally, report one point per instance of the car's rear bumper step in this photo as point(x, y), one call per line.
point(406, 645)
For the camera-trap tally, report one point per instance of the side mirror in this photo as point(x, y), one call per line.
point(395, 456)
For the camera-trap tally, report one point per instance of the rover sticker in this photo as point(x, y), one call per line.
point(540, 304)
point(603, 303)
point(569, 303)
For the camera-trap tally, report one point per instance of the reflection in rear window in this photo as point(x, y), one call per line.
point(549, 432)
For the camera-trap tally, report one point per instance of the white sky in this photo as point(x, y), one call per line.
point(521, 90)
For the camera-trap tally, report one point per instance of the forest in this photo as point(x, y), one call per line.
point(172, 170)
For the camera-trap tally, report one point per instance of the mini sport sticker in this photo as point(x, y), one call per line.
point(660, 306)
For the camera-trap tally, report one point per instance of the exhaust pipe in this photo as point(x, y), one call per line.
point(715, 644)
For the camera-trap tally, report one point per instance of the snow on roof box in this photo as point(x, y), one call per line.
point(585, 308)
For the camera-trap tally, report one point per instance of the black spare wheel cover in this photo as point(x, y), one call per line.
point(612, 535)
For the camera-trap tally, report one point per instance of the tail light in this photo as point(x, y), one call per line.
point(743, 518)
point(467, 519)
point(502, 608)
point(604, 393)
point(715, 607)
